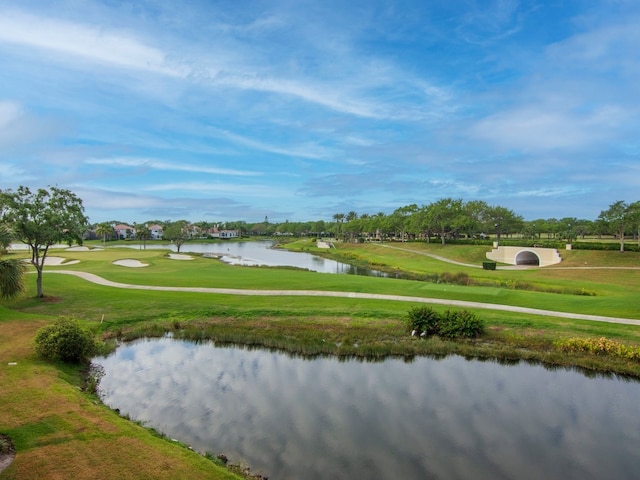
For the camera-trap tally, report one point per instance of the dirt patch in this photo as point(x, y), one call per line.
point(47, 299)
point(7, 451)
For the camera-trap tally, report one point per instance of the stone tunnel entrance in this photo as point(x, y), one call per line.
point(527, 257)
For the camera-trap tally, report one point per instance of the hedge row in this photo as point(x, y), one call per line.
point(424, 321)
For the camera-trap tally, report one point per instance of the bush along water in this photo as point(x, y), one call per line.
point(425, 321)
point(600, 346)
point(65, 340)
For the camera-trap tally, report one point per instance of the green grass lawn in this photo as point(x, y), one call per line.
point(611, 292)
point(58, 429)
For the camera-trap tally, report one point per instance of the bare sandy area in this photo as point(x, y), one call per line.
point(78, 249)
point(61, 261)
point(127, 262)
point(179, 256)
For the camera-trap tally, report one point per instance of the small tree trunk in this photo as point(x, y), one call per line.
point(39, 293)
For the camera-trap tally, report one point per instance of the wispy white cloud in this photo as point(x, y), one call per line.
point(556, 191)
point(209, 188)
point(93, 43)
point(21, 128)
point(9, 113)
point(309, 150)
point(600, 48)
point(385, 105)
point(130, 162)
point(11, 174)
point(370, 90)
point(491, 21)
point(532, 128)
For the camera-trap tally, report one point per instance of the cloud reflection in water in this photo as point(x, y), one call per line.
point(451, 418)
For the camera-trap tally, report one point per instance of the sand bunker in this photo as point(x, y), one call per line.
point(58, 261)
point(77, 249)
point(127, 262)
point(179, 256)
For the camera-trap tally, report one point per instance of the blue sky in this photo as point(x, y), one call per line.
point(297, 110)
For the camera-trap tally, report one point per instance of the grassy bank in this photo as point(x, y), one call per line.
point(61, 432)
point(59, 429)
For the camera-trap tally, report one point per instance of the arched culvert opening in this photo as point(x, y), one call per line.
point(527, 257)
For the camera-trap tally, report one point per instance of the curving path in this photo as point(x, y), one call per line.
point(90, 277)
point(503, 267)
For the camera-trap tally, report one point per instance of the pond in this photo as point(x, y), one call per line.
point(450, 418)
point(263, 253)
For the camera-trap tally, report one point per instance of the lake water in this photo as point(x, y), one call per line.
point(252, 253)
point(294, 418)
point(262, 253)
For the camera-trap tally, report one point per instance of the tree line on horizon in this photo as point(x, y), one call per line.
point(443, 220)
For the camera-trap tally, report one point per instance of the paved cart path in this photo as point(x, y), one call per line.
point(370, 296)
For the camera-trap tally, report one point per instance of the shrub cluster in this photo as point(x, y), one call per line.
point(600, 346)
point(608, 246)
point(65, 340)
point(424, 321)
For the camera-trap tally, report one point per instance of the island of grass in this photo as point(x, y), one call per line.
point(59, 429)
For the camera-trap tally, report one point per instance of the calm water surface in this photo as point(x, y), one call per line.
point(292, 418)
point(262, 253)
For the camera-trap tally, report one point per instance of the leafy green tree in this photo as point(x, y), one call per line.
point(475, 212)
point(319, 228)
point(618, 218)
point(176, 233)
point(445, 216)
point(503, 220)
point(400, 220)
point(634, 213)
point(43, 218)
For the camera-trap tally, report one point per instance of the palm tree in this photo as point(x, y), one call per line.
point(11, 270)
point(339, 218)
point(142, 233)
point(103, 230)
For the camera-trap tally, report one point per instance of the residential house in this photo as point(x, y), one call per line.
point(155, 232)
point(224, 234)
point(124, 232)
point(215, 232)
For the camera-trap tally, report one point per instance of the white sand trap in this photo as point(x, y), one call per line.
point(127, 262)
point(179, 256)
point(77, 249)
point(58, 261)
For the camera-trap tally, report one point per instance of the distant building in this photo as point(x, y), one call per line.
point(124, 231)
point(155, 232)
point(228, 233)
point(224, 234)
